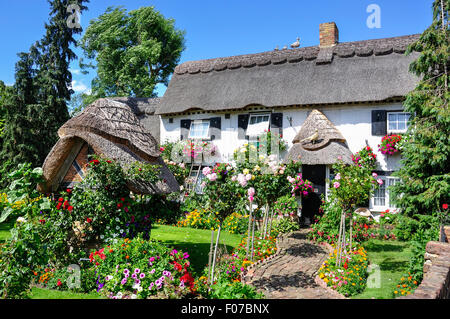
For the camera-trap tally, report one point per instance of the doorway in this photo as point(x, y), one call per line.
point(311, 203)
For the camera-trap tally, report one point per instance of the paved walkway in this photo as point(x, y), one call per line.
point(291, 274)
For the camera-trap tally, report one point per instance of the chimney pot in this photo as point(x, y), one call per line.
point(328, 34)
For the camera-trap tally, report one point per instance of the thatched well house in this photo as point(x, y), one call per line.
point(110, 128)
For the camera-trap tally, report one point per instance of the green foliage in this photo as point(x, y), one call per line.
point(22, 197)
point(425, 171)
point(224, 289)
point(37, 107)
point(134, 51)
point(285, 225)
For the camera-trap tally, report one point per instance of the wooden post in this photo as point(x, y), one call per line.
point(215, 254)
point(210, 256)
point(253, 237)
point(249, 229)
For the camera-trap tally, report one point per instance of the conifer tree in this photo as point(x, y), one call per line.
point(425, 171)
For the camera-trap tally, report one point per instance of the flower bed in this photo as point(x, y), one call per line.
point(351, 277)
point(202, 219)
point(141, 269)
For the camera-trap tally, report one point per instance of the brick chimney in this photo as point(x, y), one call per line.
point(329, 34)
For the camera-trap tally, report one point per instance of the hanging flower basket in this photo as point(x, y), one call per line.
point(194, 149)
point(390, 144)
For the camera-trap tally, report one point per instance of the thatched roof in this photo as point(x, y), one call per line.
point(113, 130)
point(351, 72)
point(329, 146)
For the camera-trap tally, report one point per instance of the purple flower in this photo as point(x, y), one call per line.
point(137, 270)
point(151, 286)
point(126, 271)
point(142, 275)
point(124, 281)
point(134, 276)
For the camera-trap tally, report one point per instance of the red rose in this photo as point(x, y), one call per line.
point(59, 282)
point(60, 199)
point(70, 208)
point(58, 207)
point(88, 220)
point(69, 190)
point(122, 199)
point(119, 205)
point(445, 206)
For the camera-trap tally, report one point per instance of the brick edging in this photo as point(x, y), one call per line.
point(248, 273)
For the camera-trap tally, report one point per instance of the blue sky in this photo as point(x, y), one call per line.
point(223, 27)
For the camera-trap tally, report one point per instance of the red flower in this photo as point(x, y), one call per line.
point(58, 206)
point(59, 282)
point(345, 265)
point(70, 208)
point(177, 266)
point(88, 220)
point(119, 205)
point(122, 199)
point(445, 206)
point(366, 227)
point(69, 190)
point(60, 199)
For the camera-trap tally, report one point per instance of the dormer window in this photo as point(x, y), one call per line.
point(199, 129)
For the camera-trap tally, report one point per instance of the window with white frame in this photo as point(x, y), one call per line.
point(382, 197)
point(199, 129)
point(257, 124)
point(397, 122)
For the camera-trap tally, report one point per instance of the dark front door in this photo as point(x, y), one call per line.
point(311, 203)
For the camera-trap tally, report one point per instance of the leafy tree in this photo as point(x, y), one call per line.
point(133, 51)
point(41, 90)
point(425, 172)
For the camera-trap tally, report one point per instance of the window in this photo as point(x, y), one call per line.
point(199, 130)
point(382, 197)
point(397, 122)
point(257, 123)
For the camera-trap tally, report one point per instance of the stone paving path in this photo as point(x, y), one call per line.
point(291, 274)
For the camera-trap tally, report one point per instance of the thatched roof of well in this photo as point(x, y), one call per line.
point(113, 130)
point(350, 72)
point(327, 149)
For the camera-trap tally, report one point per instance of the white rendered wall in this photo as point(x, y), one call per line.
point(353, 121)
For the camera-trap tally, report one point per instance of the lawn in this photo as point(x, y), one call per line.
point(391, 258)
point(195, 241)
point(5, 230)
point(41, 293)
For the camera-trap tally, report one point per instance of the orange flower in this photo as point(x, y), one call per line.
point(127, 257)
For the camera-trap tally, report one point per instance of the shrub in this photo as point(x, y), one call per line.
point(285, 225)
point(286, 206)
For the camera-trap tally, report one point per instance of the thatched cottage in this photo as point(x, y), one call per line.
point(350, 92)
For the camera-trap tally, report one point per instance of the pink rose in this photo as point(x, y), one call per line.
point(251, 191)
point(380, 181)
point(336, 185)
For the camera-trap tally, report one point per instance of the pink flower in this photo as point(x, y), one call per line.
point(251, 191)
point(251, 198)
point(161, 149)
point(206, 171)
point(374, 175)
point(380, 181)
point(212, 177)
point(338, 176)
point(248, 177)
point(336, 184)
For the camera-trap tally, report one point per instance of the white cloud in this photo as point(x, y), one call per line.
point(79, 87)
point(75, 71)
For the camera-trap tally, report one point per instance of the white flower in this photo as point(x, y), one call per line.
point(139, 289)
point(117, 219)
point(21, 220)
point(133, 296)
point(248, 177)
point(119, 295)
point(117, 227)
point(102, 236)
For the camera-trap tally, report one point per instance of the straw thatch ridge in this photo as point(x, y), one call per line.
point(113, 131)
point(361, 71)
point(326, 130)
point(327, 148)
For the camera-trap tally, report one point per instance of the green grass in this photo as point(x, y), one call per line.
point(5, 230)
point(41, 293)
point(392, 258)
point(194, 241)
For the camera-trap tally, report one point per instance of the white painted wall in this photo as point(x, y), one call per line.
point(353, 121)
